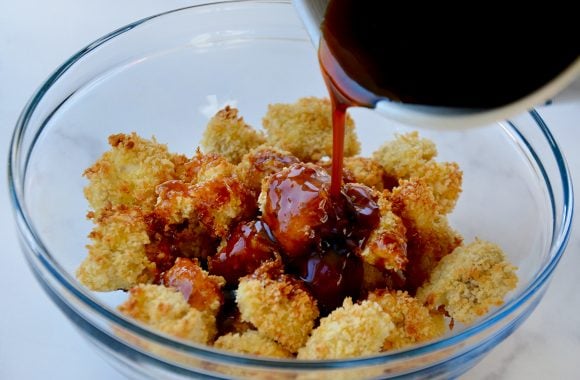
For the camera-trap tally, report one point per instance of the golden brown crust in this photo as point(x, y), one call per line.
point(429, 236)
point(386, 247)
point(414, 323)
point(304, 128)
point(408, 156)
point(200, 289)
point(261, 162)
point(279, 306)
point(469, 281)
point(349, 331)
point(128, 173)
point(366, 171)
point(166, 310)
point(229, 136)
point(253, 343)
point(116, 257)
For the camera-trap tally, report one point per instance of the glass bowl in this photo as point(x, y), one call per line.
point(164, 76)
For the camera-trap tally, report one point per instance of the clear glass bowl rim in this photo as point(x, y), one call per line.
point(25, 225)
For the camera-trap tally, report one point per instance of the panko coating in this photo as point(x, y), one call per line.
point(366, 171)
point(469, 281)
point(116, 257)
point(229, 136)
point(278, 305)
point(429, 236)
point(409, 156)
point(386, 246)
point(349, 331)
point(199, 288)
point(261, 162)
point(405, 156)
point(204, 167)
point(128, 173)
point(253, 343)
point(414, 323)
point(166, 310)
point(304, 128)
point(217, 203)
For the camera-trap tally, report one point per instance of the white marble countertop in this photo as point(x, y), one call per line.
point(37, 342)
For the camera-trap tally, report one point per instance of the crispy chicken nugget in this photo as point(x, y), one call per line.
point(429, 235)
point(409, 156)
point(386, 246)
point(228, 135)
point(261, 162)
point(116, 257)
point(405, 156)
point(350, 331)
point(128, 173)
point(166, 310)
point(203, 167)
point(278, 305)
point(366, 171)
point(304, 128)
point(199, 288)
point(469, 281)
point(253, 343)
point(217, 203)
point(414, 323)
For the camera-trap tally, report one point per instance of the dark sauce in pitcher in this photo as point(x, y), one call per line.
point(464, 58)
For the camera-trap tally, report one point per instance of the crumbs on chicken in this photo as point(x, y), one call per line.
point(409, 156)
point(469, 281)
point(228, 135)
point(414, 323)
point(116, 257)
point(304, 128)
point(429, 235)
point(199, 288)
point(128, 173)
point(252, 342)
point(386, 246)
point(217, 203)
point(261, 162)
point(166, 310)
point(278, 305)
point(203, 167)
point(366, 171)
point(349, 331)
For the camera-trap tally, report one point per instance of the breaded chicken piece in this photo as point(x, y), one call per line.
point(304, 128)
point(228, 135)
point(469, 281)
point(204, 167)
point(278, 305)
point(253, 343)
point(405, 156)
point(386, 247)
point(116, 257)
point(352, 330)
point(166, 310)
point(409, 156)
point(445, 178)
point(414, 323)
point(128, 173)
point(366, 171)
point(429, 235)
point(199, 288)
point(218, 203)
point(261, 162)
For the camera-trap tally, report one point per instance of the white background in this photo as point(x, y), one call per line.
point(37, 342)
